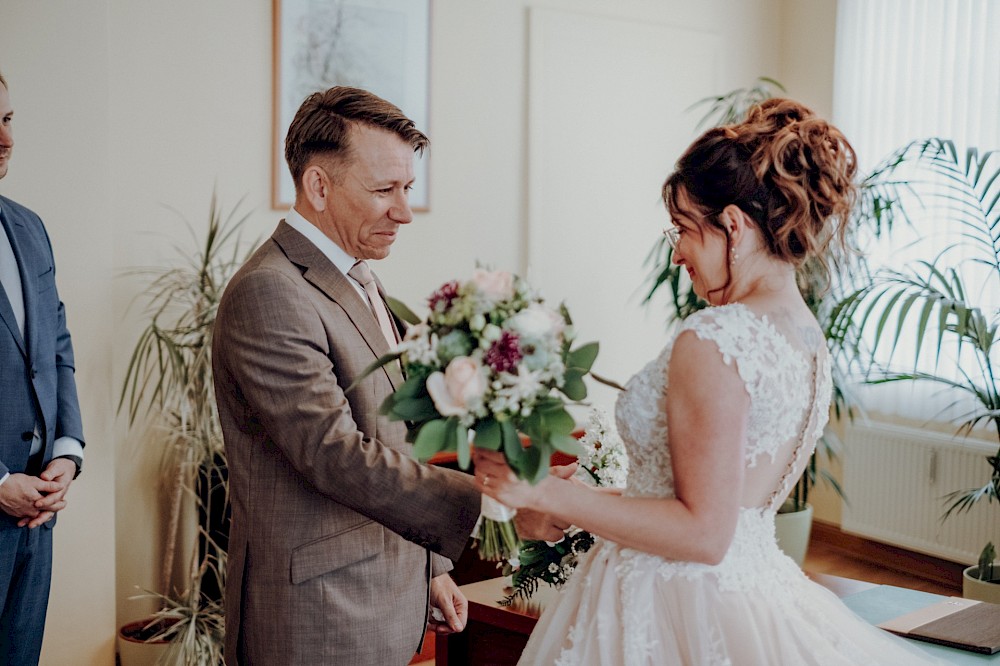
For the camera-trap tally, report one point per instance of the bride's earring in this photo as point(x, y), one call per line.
point(733, 257)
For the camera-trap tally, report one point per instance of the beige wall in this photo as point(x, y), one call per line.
point(56, 62)
point(125, 107)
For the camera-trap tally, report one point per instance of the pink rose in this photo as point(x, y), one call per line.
point(459, 387)
point(497, 285)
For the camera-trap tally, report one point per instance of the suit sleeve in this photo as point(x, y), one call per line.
point(280, 356)
point(68, 421)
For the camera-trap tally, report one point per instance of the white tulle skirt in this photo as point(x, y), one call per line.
point(627, 608)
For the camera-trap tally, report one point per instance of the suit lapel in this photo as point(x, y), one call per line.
point(6, 311)
point(322, 274)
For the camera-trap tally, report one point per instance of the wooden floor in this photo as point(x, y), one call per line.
point(833, 552)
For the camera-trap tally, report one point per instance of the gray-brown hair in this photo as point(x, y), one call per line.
point(322, 124)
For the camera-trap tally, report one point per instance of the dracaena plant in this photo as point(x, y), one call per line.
point(168, 388)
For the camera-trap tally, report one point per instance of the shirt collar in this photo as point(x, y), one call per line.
point(336, 254)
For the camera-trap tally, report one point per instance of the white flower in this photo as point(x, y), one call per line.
point(537, 322)
point(477, 322)
point(491, 333)
point(553, 568)
point(495, 285)
point(459, 388)
point(524, 386)
point(604, 455)
point(419, 346)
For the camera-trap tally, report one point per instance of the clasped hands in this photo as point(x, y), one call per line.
point(34, 500)
point(496, 479)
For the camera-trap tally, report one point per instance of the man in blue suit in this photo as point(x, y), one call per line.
point(41, 437)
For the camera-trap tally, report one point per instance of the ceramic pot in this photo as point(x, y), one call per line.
point(134, 651)
point(982, 590)
point(792, 530)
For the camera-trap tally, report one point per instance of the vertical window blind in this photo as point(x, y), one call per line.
point(907, 70)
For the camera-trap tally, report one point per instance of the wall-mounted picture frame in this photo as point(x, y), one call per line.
point(380, 45)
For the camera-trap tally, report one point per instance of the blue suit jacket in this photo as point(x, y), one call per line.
point(37, 382)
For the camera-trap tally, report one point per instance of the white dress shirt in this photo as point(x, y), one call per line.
point(336, 254)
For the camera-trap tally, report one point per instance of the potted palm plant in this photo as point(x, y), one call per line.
point(943, 302)
point(168, 386)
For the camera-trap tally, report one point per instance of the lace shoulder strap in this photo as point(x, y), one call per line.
point(803, 441)
point(733, 329)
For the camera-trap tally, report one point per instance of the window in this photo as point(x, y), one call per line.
point(914, 69)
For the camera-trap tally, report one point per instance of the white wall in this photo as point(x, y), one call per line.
point(56, 62)
point(125, 106)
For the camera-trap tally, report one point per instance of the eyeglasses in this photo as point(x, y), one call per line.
point(673, 236)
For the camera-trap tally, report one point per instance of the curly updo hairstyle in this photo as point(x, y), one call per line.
point(789, 170)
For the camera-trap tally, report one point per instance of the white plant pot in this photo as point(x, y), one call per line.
point(133, 652)
point(792, 530)
point(981, 590)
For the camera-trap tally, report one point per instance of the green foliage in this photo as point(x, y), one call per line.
point(540, 563)
point(935, 300)
point(986, 559)
point(732, 107)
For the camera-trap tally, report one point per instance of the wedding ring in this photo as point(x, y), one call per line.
point(486, 479)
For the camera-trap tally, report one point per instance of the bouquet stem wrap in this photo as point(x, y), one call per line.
point(498, 539)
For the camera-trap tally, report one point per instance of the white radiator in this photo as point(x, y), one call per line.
point(895, 479)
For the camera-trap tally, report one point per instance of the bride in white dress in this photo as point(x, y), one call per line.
point(687, 570)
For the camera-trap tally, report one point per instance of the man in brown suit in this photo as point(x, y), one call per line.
point(340, 540)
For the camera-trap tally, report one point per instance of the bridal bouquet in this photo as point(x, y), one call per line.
point(603, 462)
point(490, 362)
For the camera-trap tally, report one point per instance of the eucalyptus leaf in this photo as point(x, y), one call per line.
point(573, 386)
point(399, 309)
point(583, 357)
point(488, 435)
point(511, 442)
point(463, 447)
point(534, 463)
point(566, 444)
point(372, 367)
point(558, 421)
point(413, 387)
point(433, 437)
point(414, 409)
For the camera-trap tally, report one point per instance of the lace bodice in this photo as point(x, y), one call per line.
point(625, 606)
point(777, 378)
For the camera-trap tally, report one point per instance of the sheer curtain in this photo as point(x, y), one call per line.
point(906, 70)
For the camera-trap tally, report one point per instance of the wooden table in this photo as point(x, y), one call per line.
point(496, 635)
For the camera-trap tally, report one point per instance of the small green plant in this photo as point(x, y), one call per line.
point(986, 559)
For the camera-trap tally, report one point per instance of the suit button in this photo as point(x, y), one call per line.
point(27, 436)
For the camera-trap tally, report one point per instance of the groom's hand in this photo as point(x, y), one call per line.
point(451, 605)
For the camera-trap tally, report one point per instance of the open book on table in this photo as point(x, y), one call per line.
point(960, 623)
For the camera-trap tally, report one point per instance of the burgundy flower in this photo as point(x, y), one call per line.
point(447, 293)
point(504, 354)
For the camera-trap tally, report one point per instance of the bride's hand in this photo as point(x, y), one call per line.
point(496, 479)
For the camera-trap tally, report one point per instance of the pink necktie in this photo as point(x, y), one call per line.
point(363, 275)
